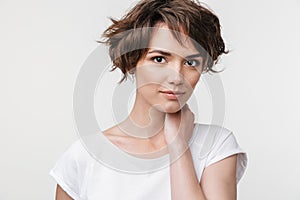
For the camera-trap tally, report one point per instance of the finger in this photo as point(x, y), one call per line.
point(186, 108)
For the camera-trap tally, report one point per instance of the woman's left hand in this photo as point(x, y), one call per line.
point(179, 126)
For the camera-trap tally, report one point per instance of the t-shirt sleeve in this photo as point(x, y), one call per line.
point(67, 171)
point(226, 145)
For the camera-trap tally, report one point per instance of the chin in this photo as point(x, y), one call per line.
point(168, 107)
point(171, 108)
point(172, 111)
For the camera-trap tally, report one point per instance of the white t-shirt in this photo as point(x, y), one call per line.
point(81, 173)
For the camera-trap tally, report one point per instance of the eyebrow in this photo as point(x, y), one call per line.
point(165, 53)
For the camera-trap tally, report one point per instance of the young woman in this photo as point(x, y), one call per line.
point(166, 45)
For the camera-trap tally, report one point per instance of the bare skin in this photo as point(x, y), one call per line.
point(218, 180)
point(159, 122)
point(61, 194)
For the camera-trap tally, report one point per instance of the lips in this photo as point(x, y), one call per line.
point(172, 92)
point(171, 95)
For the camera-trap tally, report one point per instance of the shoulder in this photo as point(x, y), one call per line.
point(70, 169)
point(208, 139)
point(215, 143)
point(210, 134)
point(76, 152)
point(73, 159)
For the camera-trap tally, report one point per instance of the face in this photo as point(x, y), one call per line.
point(167, 75)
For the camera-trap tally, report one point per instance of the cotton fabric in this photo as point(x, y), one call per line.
point(83, 177)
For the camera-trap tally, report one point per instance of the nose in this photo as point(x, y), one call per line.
point(175, 75)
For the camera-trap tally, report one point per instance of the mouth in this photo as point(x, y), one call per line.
point(172, 95)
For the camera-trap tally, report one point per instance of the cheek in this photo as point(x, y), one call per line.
point(147, 91)
point(146, 75)
point(193, 79)
point(148, 80)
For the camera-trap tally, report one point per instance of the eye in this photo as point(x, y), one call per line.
point(192, 63)
point(159, 59)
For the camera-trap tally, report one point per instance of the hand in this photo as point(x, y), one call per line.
point(179, 126)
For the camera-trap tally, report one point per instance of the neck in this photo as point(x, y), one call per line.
point(144, 121)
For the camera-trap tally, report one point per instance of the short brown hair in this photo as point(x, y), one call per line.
point(195, 20)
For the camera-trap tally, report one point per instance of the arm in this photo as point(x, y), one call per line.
point(178, 130)
point(61, 194)
point(184, 183)
point(218, 181)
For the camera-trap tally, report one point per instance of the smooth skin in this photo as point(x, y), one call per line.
point(169, 123)
point(61, 194)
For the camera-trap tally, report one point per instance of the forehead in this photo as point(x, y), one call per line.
point(163, 38)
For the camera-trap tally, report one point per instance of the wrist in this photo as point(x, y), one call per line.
point(177, 147)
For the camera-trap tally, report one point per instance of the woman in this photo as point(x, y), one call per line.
point(166, 45)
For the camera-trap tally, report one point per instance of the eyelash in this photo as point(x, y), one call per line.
point(197, 63)
point(156, 57)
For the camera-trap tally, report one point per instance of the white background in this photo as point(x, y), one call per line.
point(44, 43)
